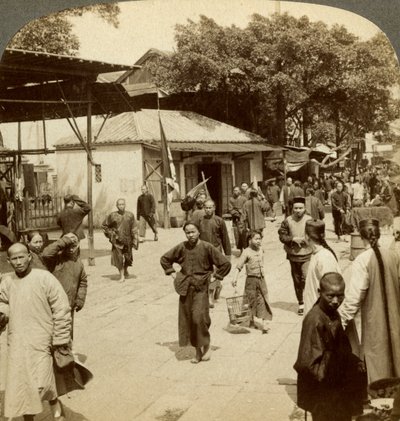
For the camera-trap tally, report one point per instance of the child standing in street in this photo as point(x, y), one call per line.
point(255, 287)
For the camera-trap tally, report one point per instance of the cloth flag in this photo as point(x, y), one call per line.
point(168, 164)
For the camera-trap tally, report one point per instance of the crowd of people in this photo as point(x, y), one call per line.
point(39, 300)
point(335, 362)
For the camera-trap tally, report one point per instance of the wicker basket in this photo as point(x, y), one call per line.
point(239, 310)
point(384, 388)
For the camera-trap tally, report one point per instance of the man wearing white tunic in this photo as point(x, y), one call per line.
point(39, 320)
point(323, 260)
point(374, 289)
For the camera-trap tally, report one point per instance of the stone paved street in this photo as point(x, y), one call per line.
point(128, 335)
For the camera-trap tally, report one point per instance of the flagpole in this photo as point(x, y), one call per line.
point(164, 187)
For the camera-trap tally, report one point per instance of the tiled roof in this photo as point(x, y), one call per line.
point(179, 126)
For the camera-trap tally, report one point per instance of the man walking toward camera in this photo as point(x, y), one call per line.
point(120, 228)
point(292, 234)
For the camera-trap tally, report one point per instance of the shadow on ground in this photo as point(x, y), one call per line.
point(182, 353)
point(46, 415)
point(116, 277)
point(291, 390)
point(285, 306)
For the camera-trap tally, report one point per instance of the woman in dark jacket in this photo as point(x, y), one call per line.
point(35, 245)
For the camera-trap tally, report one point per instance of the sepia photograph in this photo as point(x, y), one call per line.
point(199, 214)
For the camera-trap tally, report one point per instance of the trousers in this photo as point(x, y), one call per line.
point(299, 274)
point(150, 220)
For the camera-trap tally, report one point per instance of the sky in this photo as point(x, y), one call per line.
point(150, 24)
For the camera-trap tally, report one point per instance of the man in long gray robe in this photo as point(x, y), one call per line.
point(39, 319)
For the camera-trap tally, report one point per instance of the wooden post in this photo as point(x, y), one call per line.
point(91, 260)
point(164, 190)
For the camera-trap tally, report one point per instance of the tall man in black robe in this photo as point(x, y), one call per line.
point(197, 259)
point(146, 211)
point(329, 382)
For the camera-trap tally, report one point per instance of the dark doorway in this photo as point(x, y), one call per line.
point(214, 184)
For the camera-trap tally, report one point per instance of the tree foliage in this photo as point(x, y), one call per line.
point(54, 33)
point(283, 77)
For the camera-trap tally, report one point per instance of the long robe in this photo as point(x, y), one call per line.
point(364, 292)
point(121, 229)
point(39, 317)
point(322, 261)
point(196, 268)
point(253, 211)
point(328, 384)
point(239, 229)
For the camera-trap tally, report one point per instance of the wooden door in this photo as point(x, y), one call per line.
point(226, 186)
point(242, 171)
point(191, 176)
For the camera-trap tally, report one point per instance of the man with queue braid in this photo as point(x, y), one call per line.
point(374, 288)
point(323, 260)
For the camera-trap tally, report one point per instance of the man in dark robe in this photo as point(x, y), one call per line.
point(236, 203)
point(146, 210)
point(330, 378)
point(120, 228)
point(197, 259)
point(253, 210)
point(213, 230)
point(71, 217)
point(341, 203)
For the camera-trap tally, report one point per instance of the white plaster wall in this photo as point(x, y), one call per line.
point(256, 169)
point(122, 176)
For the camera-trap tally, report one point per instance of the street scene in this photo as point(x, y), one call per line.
point(200, 215)
point(127, 333)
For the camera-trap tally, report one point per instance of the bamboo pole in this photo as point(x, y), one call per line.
point(91, 260)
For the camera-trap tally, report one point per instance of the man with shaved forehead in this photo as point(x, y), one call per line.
point(35, 307)
point(330, 378)
point(120, 228)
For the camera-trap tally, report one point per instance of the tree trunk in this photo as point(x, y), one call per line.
point(337, 126)
point(280, 118)
point(306, 127)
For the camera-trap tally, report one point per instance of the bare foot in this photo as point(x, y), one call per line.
point(198, 357)
point(206, 353)
point(121, 280)
point(126, 273)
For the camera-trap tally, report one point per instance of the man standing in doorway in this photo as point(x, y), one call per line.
point(71, 217)
point(146, 210)
point(120, 228)
point(292, 234)
point(213, 230)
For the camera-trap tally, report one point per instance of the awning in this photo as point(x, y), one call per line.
point(221, 147)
